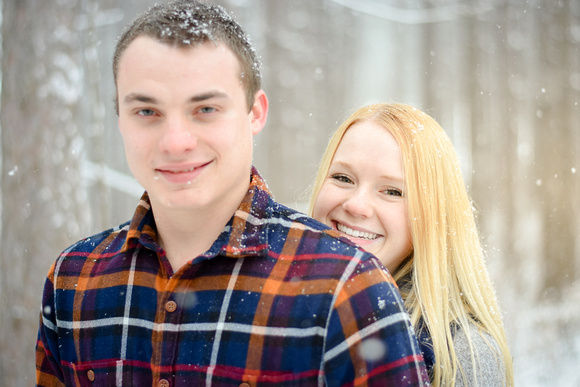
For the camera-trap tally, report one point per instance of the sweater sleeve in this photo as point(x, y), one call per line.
point(489, 370)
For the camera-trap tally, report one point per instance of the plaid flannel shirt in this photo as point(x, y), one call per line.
point(276, 301)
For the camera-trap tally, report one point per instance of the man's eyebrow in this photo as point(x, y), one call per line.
point(139, 98)
point(208, 95)
point(135, 97)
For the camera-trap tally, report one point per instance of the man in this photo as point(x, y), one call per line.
point(212, 282)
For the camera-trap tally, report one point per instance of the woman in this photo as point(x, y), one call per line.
point(390, 181)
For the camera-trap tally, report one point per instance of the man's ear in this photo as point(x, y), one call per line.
point(259, 112)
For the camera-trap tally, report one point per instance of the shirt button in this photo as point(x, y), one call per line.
point(91, 375)
point(170, 306)
point(163, 383)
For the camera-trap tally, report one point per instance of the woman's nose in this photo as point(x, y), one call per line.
point(359, 204)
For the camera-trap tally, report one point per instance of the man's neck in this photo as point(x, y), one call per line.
point(185, 235)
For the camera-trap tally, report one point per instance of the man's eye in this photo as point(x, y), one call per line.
point(207, 109)
point(342, 178)
point(146, 112)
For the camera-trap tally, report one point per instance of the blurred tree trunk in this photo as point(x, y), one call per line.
point(494, 134)
point(556, 130)
point(304, 44)
point(43, 207)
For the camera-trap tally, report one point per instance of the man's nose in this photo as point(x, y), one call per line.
point(178, 136)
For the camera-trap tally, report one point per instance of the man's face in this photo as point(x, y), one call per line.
point(185, 123)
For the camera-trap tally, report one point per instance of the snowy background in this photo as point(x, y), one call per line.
point(501, 76)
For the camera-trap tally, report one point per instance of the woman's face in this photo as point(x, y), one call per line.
point(362, 195)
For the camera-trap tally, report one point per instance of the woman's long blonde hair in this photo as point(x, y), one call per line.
point(450, 286)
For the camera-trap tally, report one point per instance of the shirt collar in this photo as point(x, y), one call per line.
point(248, 227)
point(244, 235)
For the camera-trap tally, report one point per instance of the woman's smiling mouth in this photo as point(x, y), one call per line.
point(356, 233)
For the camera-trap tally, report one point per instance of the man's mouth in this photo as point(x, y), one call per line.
point(356, 233)
point(180, 170)
point(185, 174)
point(185, 169)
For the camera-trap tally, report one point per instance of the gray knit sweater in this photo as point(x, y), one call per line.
point(489, 370)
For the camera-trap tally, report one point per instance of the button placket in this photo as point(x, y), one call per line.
point(167, 351)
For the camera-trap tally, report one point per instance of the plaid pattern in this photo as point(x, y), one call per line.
point(276, 301)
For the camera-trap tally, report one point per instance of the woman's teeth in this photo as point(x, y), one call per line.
point(355, 233)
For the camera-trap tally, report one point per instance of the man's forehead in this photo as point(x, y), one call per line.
point(150, 44)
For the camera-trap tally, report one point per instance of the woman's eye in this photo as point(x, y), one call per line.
point(393, 192)
point(342, 178)
point(146, 112)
